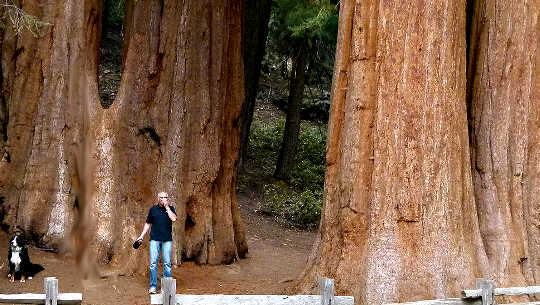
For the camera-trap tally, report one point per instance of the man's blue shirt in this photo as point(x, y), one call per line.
point(161, 223)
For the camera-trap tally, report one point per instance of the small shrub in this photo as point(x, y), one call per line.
point(300, 200)
point(310, 159)
point(264, 144)
point(301, 208)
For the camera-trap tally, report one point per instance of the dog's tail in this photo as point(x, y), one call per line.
point(33, 269)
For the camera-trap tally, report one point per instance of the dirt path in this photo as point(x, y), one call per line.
point(276, 257)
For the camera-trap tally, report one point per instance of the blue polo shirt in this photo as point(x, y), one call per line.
point(161, 223)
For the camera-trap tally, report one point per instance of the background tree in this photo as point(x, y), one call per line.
point(399, 221)
point(304, 31)
point(503, 116)
point(256, 17)
point(75, 164)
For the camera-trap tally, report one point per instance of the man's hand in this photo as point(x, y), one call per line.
point(146, 228)
point(170, 213)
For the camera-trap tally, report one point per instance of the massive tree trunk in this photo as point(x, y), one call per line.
point(3, 109)
point(173, 127)
point(532, 211)
point(179, 105)
point(46, 84)
point(399, 221)
point(289, 145)
point(256, 18)
point(503, 69)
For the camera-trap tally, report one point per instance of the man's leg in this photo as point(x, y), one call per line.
point(166, 256)
point(154, 257)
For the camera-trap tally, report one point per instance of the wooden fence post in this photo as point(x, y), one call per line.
point(51, 291)
point(168, 290)
point(326, 288)
point(487, 288)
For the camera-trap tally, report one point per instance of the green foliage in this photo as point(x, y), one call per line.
point(264, 144)
point(299, 201)
point(303, 21)
point(310, 159)
point(298, 24)
point(113, 12)
point(301, 208)
point(302, 27)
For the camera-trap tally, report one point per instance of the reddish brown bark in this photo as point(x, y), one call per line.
point(399, 220)
point(46, 83)
point(180, 102)
point(173, 127)
point(501, 84)
point(532, 210)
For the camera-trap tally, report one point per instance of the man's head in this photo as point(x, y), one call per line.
point(162, 198)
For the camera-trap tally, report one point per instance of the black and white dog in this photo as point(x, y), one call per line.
point(20, 266)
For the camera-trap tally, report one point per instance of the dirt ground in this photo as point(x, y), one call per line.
point(277, 255)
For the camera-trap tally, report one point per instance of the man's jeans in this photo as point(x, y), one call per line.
point(166, 249)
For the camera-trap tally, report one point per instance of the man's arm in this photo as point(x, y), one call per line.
point(146, 228)
point(170, 213)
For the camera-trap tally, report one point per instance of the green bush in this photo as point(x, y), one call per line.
point(113, 12)
point(300, 200)
point(264, 144)
point(301, 208)
point(310, 158)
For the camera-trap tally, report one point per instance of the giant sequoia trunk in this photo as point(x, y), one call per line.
point(399, 221)
point(503, 69)
point(3, 110)
point(46, 86)
point(173, 127)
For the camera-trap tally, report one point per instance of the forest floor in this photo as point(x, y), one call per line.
point(277, 255)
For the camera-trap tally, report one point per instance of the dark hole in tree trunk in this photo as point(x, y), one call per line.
point(112, 43)
point(151, 133)
point(189, 222)
point(4, 226)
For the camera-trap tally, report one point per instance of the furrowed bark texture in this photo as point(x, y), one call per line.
point(4, 113)
point(532, 211)
point(503, 69)
point(176, 129)
point(399, 221)
point(173, 127)
point(44, 85)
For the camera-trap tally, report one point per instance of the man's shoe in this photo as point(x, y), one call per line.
point(152, 290)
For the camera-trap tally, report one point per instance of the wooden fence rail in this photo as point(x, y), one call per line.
point(326, 297)
point(483, 295)
point(50, 297)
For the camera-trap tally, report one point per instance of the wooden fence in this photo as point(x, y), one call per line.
point(484, 294)
point(50, 297)
point(168, 296)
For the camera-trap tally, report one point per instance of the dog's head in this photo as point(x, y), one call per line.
point(17, 241)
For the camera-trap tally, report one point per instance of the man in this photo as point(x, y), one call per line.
point(159, 222)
